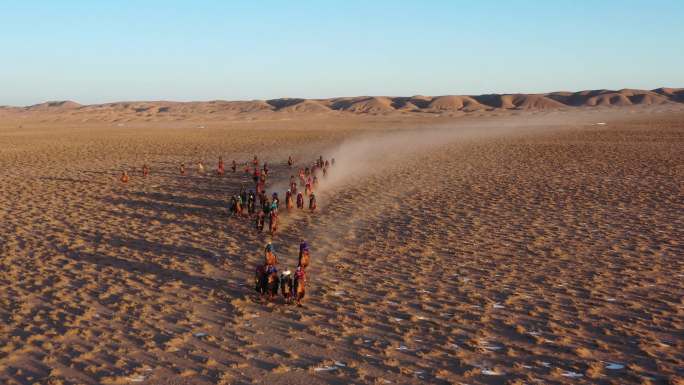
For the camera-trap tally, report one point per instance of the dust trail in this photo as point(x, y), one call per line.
point(382, 151)
point(376, 152)
point(371, 154)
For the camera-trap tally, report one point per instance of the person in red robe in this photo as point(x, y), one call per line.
point(220, 170)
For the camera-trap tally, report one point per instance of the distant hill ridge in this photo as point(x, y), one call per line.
point(377, 104)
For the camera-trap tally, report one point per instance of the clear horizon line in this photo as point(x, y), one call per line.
point(180, 100)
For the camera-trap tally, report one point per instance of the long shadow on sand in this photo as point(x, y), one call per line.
point(145, 246)
point(161, 272)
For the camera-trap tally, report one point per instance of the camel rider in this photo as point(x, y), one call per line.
point(270, 258)
point(232, 207)
point(303, 255)
point(238, 205)
point(300, 284)
point(259, 222)
point(221, 167)
point(266, 207)
point(270, 262)
point(312, 202)
point(273, 218)
point(250, 202)
point(288, 199)
point(300, 200)
point(243, 194)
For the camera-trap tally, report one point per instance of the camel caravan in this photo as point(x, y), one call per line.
point(257, 205)
point(267, 281)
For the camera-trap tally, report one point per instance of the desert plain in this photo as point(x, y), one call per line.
point(536, 241)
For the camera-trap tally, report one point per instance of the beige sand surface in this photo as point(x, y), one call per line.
point(524, 248)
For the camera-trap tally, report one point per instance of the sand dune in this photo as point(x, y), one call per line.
point(531, 102)
point(455, 103)
point(301, 106)
point(363, 105)
point(675, 94)
point(367, 105)
point(57, 105)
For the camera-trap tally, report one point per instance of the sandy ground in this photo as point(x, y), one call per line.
point(517, 256)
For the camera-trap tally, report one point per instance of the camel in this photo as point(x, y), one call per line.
point(273, 221)
point(300, 200)
point(303, 255)
point(312, 202)
point(299, 285)
point(260, 222)
point(266, 281)
point(270, 258)
point(287, 286)
point(289, 204)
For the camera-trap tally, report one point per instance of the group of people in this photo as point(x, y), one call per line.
point(145, 172)
point(256, 203)
point(267, 281)
point(200, 170)
point(220, 168)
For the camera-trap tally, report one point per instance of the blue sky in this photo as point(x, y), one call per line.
point(100, 51)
